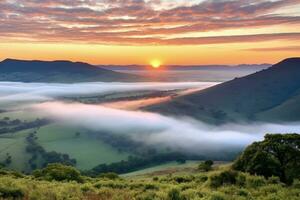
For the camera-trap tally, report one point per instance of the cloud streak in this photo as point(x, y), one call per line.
point(287, 48)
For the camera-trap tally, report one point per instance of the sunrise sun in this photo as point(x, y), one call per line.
point(155, 63)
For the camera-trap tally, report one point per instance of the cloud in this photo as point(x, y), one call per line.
point(179, 133)
point(135, 22)
point(288, 48)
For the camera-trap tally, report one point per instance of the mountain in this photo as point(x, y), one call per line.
point(58, 71)
point(253, 67)
point(270, 95)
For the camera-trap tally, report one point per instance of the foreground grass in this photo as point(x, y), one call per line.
point(169, 186)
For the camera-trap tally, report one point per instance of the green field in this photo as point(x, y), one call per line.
point(21, 114)
point(14, 145)
point(169, 166)
point(88, 151)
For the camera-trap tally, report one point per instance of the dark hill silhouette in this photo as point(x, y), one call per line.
point(272, 94)
point(58, 71)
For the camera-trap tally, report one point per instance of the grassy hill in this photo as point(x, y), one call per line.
point(58, 71)
point(187, 183)
point(268, 95)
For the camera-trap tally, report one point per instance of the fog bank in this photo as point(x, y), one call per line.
point(151, 128)
point(16, 91)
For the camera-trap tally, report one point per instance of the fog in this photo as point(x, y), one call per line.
point(151, 128)
point(183, 133)
point(16, 91)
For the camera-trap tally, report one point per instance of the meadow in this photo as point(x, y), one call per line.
point(184, 182)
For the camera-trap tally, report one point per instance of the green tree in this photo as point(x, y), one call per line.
point(58, 172)
point(277, 155)
point(206, 165)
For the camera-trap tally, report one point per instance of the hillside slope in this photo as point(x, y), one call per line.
point(269, 95)
point(58, 71)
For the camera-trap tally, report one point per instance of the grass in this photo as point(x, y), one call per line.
point(88, 152)
point(190, 186)
point(21, 115)
point(15, 146)
point(164, 168)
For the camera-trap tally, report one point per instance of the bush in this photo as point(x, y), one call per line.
point(255, 181)
point(58, 172)
point(278, 155)
point(109, 175)
point(243, 193)
point(273, 180)
point(296, 184)
point(183, 179)
point(217, 196)
point(201, 179)
point(206, 166)
point(241, 180)
point(14, 193)
point(224, 178)
point(174, 194)
point(150, 187)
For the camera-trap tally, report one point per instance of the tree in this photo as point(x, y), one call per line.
point(206, 165)
point(58, 172)
point(278, 155)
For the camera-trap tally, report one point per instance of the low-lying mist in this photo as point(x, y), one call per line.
point(16, 91)
point(178, 133)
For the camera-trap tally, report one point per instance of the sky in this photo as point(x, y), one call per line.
point(121, 32)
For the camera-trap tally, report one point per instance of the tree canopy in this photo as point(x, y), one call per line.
point(277, 155)
point(58, 172)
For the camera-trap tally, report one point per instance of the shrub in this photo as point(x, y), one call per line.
point(255, 181)
point(146, 196)
point(217, 196)
point(273, 180)
point(241, 180)
point(183, 179)
point(150, 187)
point(206, 166)
point(10, 192)
point(174, 194)
point(109, 175)
point(201, 179)
point(296, 184)
point(243, 193)
point(224, 178)
point(278, 155)
point(58, 172)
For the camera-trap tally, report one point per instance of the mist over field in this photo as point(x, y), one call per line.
point(17, 91)
point(152, 128)
point(182, 133)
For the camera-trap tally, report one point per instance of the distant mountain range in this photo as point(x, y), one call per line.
point(187, 67)
point(59, 71)
point(272, 95)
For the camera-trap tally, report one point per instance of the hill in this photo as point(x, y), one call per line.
point(253, 67)
point(58, 71)
point(181, 183)
point(271, 95)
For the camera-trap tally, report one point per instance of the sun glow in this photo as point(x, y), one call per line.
point(155, 64)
